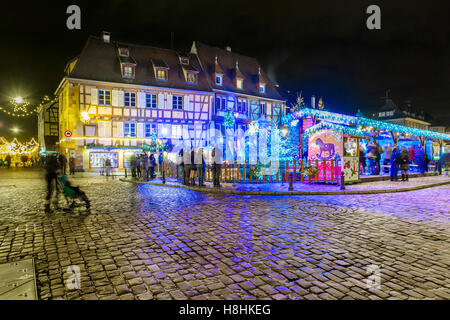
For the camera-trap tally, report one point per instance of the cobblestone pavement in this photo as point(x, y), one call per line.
point(151, 242)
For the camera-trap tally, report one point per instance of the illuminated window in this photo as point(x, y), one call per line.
point(149, 129)
point(191, 77)
point(218, 79)
point(161, 74)
point(128, 72)
point(104, 97)
point(239, 83)
point(177, 131)
point(150, 100)
point(130, 99)
point(129, 130)
point(124, 52)
point(262, 109)
point(262, 88)
point(177, 102)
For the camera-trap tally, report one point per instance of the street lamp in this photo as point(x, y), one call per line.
point(18, 100)
point(15, 129)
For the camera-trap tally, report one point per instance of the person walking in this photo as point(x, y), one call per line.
point(8, 160)
point(387, 157)
point(201, 166)
point(51, 174)
point(138, 167)
point(372, 156)
point(193, 168)
point(181, 165)
point(187, 165)
point(426, 162)
point(144, 165)
point(152, 166)
point(362, 160)
point(133, 166)
point(160, 163)
point(108, 166)
point(72, 165)
point(394, 162)
point(217, 166)
point(404, 163)
point(63, 163)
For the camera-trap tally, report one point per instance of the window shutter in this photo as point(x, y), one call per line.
point(160, 101)
point(141, 100)
point(169, 101)
point(120, 129)
point(121, 96)
point(107, 128)
point(269, 109)
point(186, 104)
point(94, 97)
point(115, 98)
point(101, 129)
point(140, 130)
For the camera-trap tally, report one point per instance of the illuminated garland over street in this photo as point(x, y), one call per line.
point(16, 148)
point(326, 115)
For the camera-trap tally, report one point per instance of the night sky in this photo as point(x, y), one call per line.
point(319, 47)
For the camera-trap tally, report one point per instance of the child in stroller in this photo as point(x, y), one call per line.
point(72, 193)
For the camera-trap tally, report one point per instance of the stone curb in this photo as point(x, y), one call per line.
point(287, 193)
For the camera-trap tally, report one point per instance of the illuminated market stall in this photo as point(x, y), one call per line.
point(17, 153)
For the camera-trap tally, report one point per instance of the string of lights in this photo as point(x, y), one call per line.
point(17, 148)
point(18, 107)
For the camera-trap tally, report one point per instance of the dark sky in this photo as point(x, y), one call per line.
point(320, 47)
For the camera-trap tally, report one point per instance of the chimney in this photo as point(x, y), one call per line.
point(313, 102)
point(228, 48)
point(106, 36)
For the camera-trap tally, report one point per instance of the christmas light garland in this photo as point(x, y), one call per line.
point(20, 109)
point(17, 148)
point(351, 131)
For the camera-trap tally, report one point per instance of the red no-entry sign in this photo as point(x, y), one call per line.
point(67, 133)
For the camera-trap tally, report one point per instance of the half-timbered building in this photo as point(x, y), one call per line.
point(116, 98)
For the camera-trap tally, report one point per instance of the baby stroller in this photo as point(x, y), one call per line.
point(72, 194)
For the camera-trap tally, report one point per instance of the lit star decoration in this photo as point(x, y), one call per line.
point(20, 107)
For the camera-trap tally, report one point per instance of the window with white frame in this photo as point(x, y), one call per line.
point(149, 129)
point(104, 97)
point(177, 131)
point(150, 100)
point(128, 72)
point(239, 83)
point(130, 99)
point(191, 77)
point(177, 102)
point(129, 130)
point(262, 88)
point(161, 74)
point(262, 109)
point(218, 79)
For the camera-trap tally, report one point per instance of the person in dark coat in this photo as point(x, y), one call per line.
point(217, 166)
point(152, 166)
point(394, 162)
point(160, 163)
point(404, 163)
point(362, 160)
point(63, 163)
point(51, 174)
point(181, 165)
point(72, 165)
point(193, 168)
point(8, 160)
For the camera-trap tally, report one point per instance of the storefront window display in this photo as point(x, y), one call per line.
point(97, 159)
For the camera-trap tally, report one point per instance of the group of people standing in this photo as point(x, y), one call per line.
point(193, 165)
point(394, 159)
point(145, 165)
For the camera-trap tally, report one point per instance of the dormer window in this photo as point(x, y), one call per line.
point(161, 74)
point(239, 83)
point(127, 71)
point(191, 77)
point(218, 79)
point(124, 52)
point(262, 88)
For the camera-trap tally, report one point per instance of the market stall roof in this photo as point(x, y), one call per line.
point(321, 115)
point(351, 131)
point(395, 127)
